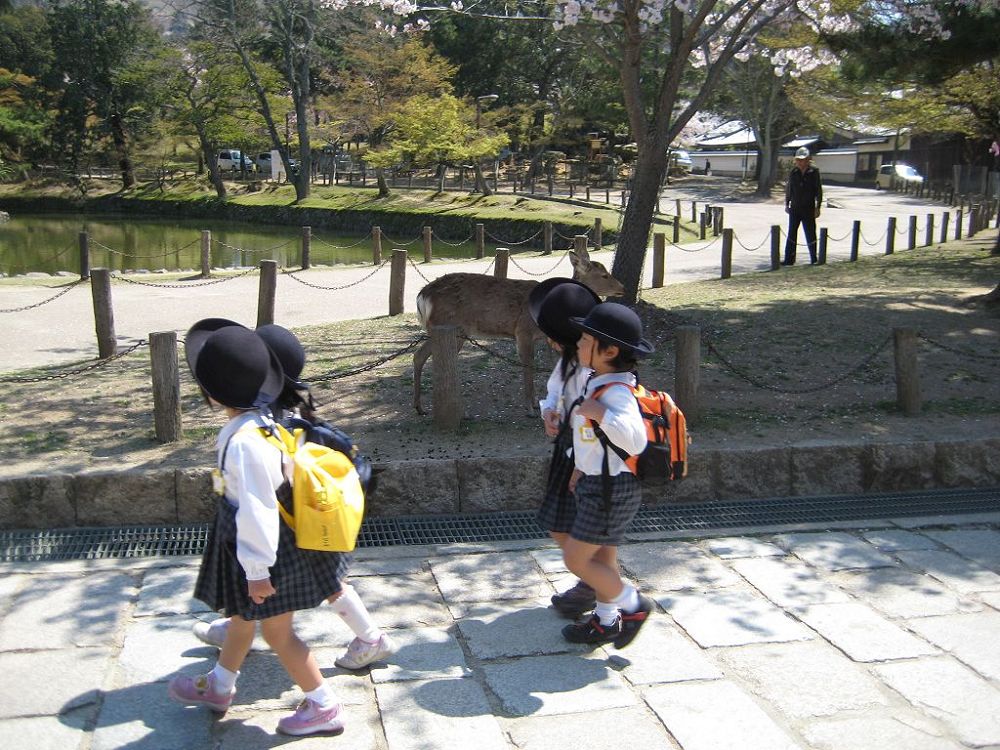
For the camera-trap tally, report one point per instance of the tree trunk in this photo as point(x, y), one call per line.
point(383, 186)
point(631, 254)
point(481, 185)
point(120, 139)
point(207, 154)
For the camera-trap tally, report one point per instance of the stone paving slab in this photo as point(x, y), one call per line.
point(43, 732)
point(733, 547)
point(897, 540)
point(674, 567)
point(424, 653)
point(142, 717)
point(177, 651)
point(834, 551)
point(732, 617)
point(945, 519)
point(486, 578)
point(973, 638)
point(546, 685)
point(167, 591)
point(878, 731)
point(81, 610)
point(788, 583)
point(499, 630)
point(803, 680)
point(362, 731)
point(899, 592)
point(594, 729)
point(991, 598)
point(965, 576)
point(951, 692)
point(439, 714)
point(662, 653)
point(980, 545)
point(863, 634)
point(715, 716)
point(51, 682)
point(403, 601)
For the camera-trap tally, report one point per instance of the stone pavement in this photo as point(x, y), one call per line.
point(878, 635)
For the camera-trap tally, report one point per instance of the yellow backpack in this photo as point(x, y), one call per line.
point(328, 502)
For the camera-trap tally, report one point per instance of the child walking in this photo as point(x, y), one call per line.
point(370, 643)
point(607, 491)
point(551, 304)
point(251, 569)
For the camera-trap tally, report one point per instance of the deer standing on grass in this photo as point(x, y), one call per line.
point(480, 305)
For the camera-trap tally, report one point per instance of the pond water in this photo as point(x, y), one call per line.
point(50, 243)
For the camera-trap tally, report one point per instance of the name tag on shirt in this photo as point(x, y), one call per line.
point(218, 483)
point(587, 434)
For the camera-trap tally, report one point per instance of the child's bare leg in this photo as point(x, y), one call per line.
point(609, 556)
point(294, 655)
point(559, 537)
point(583, 559)
point(239, 638)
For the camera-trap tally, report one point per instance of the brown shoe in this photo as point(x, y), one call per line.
point(575, 601)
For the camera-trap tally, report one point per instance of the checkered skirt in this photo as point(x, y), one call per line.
point(594, 524)
point(559, 506)
point(302, 579)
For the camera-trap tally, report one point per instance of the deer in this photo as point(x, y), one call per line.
point(480, 305)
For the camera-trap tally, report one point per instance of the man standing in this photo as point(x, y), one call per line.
point(803, 198)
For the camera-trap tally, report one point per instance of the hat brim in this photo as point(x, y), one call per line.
point(198, 334)
point(642, 348)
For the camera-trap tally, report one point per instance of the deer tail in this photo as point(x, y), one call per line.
point(424, 307)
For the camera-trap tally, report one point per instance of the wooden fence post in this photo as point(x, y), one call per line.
point(306, 247)
point(694, 211)
point(702, 225)
point(659, 251)
point(166, 386)
point(958, 224)
point(973, 210)
point(687, 368)
point(890, 236)
point(428, 233)
point(266, 291)
point(823, 241)
point(446, 390)
point(907, 375)
point(598, 234)
point(104, 314)
point(206, 253)
point(677, 229)
point(397, 281)
point(944, 226)
point(855, 240)
point(677, 206)
point(911, 234)
point(718, 223)
point(929, 231)
point(376, 246)
point(480, 241)
point(547, 238)
point(501, 261)
point(727, 252)
point(84, 239)
point(775, 247)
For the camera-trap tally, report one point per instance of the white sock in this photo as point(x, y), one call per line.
point(323, 696)
point(628, 600)
point(225, 680)
point(354, 613)
point(607, 612)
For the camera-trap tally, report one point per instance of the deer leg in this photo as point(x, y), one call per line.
point(526, 353)
point(419, 358)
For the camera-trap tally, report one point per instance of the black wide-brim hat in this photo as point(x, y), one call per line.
point(289, 350)
point(562, 300)
point(616, 324)
point(232, 364)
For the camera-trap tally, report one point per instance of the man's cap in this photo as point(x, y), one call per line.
point(802, 153)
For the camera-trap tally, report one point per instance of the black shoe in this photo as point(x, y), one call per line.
point(631, 623)
point(575, 601)
point(591, 631)
point(788, 262)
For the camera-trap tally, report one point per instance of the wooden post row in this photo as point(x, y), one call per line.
point(500, 262)
point(907, 375)
point(727, 252)
point(306, 248)
point(397, 281)
point(687, 368)
point(446, 390)
point(376, 246)
point(84, 240)
point(428, 234)
point(266, 292)
point(659, 251)
point(206, 253)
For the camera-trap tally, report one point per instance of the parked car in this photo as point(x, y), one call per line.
point(229, 160)
point(888, 173)
point(680, 162)
point(264, 164)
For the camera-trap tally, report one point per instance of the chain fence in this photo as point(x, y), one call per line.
point(409, 347)
point(185, 285)
point(54, 297)
point(954, 350)
point(124, 254)
point(767, 238)
point(320, 240)
point(291, 274)
point(540, 273)
point(76, 371)
point(504, 243)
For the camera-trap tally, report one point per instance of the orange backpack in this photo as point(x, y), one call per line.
point(665, 456)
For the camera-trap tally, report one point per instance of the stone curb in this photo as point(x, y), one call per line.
point(516, 483)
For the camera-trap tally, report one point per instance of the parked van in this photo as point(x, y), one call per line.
point(229, 160)
point(899, 173)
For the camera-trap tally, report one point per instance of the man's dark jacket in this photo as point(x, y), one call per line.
point(804, 191)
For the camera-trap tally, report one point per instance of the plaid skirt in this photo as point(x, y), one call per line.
point(595, 524)
point(559, 507)
point(302, 579)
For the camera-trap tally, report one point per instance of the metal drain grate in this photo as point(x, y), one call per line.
point(154, 541)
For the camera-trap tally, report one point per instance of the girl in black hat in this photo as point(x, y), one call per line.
point(551, 304)
point(607, 492)
point(251, 568)
point(371, 643)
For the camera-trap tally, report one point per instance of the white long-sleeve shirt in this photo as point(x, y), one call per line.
point(253, 471)
point(622, 424)
point(560, 394)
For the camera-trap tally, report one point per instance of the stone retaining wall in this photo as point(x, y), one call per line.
point(475, 486)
